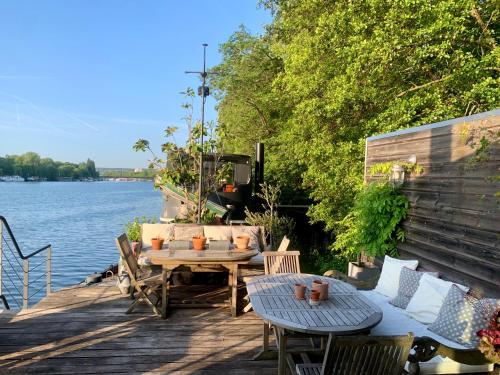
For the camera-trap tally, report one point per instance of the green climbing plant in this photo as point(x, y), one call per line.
point(374, 224)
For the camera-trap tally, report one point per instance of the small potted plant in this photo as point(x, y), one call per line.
point(133, 229)
point(199, 242)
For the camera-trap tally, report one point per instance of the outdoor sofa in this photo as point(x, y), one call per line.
point(185, 232)
point(432, 308)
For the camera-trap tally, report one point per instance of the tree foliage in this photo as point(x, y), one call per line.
point(326, 75)
point(30, 164)
point(374, 224)
point(179, 165)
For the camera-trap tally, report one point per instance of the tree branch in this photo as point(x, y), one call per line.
point(484, 27)
point(263, 119)
point(423, 85)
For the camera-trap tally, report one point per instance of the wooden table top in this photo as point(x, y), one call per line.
point(197, 256)
point(345, 312)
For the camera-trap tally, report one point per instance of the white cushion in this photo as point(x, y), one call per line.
point(425, 304)
point(388, 283)
point(186, 232)
point(218, 232)
point(251, 231)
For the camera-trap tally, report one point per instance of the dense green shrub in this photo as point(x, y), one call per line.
point(374, 224)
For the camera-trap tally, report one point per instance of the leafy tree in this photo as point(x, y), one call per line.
point(27, 165)
point(90, 166)
point(351, 69)
point(31, 165)
point(249, 111)
point(180, 165)
point(48, 169)
point(66, 170)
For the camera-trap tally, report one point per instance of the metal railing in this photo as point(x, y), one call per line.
point(16, 268)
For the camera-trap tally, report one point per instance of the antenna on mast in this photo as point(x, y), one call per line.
point(203, 91)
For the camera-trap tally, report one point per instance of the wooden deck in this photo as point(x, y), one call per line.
point(83, 330)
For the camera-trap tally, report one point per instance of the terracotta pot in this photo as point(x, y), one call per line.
point(136, 247)
point(322, 288)
point(241, 242)
point(157, 243)
point(199, 242)
point(314, 297)
point(300, 291)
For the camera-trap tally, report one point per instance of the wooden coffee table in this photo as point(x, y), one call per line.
point(204, 260)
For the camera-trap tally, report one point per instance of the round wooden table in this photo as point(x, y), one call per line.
point(346, 312)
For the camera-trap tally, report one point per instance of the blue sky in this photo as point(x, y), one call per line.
point(85, 78)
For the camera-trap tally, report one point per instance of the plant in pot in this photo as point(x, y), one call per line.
point(373, 227)
point(275, 227)
point(199, 242)
point(133, 229)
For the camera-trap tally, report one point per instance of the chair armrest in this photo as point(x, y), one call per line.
point(426, 348)
point(359, 284)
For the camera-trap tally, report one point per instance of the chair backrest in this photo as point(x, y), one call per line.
point(366, 354)
point(281, 262)
point(128, 256)
point(284, 244)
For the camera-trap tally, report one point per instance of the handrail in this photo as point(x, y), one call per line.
point(25, 266)
point(18, 249)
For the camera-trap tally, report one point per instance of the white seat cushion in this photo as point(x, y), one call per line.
point(186, 232)
point(396, 322)
point(218, 232)
point(149, 231)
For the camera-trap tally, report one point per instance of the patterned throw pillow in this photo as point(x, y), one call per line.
point(461, 317)
point(408, 285)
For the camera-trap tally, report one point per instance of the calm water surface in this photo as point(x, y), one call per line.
point(79, 219)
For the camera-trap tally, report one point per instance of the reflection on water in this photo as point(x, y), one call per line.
point(79, 219)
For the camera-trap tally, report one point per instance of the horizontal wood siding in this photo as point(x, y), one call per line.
point(453, 226)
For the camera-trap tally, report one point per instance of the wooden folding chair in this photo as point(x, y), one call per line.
point(145, 288)
point(367, 355)
point(281, 262)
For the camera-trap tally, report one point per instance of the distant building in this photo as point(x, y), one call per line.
point(11, 179)
point(138, 170)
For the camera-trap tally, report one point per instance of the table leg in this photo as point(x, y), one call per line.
point(265, 353)
point(234, 290)
point(165, 289)
point(282, 340)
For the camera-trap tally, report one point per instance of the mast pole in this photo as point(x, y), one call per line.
point(204, 77)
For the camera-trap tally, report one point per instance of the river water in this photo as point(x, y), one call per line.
point(79, 219)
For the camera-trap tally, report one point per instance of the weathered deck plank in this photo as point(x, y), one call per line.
point(84, 330)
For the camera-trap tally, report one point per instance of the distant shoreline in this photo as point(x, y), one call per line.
point(8, 179)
